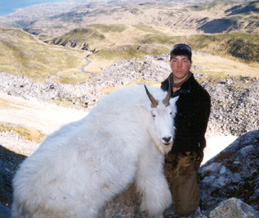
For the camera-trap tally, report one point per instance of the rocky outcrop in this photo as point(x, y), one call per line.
point(4, 211)
point(233, 207)
point(9, 162)
point(234, 105)
point(233, 173)
point(234, 99)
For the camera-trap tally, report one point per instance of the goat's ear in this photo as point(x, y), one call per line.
point(173, 100)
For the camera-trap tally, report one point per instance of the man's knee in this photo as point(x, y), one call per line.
point(184, 186)
point(185, 208)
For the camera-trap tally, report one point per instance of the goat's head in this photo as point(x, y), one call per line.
point(163, 112)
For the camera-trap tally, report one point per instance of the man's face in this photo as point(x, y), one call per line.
point(180, 66)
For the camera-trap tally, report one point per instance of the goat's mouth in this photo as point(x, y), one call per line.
point(167, 141)
point(167, 144)
point(164, 147)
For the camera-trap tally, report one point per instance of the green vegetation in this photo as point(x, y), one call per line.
point(244, 50)
point(209, 5)
point(21, 53)
point(30, 134)
point(221, 44)
point(242, 16)
point(109, 28)
point(243, 46)
point(242, 7)
point(130, 51)
point(87, 35)
point(165, 39)
point(146, 29)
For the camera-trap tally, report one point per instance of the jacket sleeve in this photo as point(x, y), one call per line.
point(200, 118)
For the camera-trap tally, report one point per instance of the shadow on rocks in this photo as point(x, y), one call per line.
point(9, 163)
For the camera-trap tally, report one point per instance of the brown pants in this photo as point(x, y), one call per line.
point(183, 181)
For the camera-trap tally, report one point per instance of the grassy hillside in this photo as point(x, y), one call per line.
point(109, 43)
point(243, 46)
point(127, 41)
point(240, 51)
point(100, 36)
point(235, 16)
point(21, 53)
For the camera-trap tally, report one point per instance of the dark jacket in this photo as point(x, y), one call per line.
point(193, 110)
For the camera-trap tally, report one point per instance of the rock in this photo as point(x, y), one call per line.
point(9, 162)
point(233, 207)
point(5, 212)
point(232, 173)
point(127, 204)
point(233, 94)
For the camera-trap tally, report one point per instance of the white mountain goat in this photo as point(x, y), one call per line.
point(82, 166)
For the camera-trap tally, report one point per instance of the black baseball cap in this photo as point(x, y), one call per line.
point(181, 49)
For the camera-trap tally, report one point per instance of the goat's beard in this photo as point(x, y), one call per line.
point(162, 148)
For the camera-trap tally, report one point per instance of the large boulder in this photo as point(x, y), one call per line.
point(232, 173)
point(233, 207)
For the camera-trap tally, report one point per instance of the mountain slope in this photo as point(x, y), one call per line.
point(240, 17)
point(207, 17)
point(22, 53)
point(110, 39)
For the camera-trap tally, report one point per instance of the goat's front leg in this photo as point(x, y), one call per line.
point(152, 184)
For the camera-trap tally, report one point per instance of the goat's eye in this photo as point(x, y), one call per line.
point(153, 115)
point(171, 112)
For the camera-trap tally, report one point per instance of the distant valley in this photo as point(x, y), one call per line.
point(106, 32)
point(55, 19)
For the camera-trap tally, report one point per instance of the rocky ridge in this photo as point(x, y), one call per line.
point(232, 95)
point(232, 173)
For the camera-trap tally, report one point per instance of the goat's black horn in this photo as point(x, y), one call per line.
point(154, 102)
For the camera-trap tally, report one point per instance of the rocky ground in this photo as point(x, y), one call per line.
point(234, 109)
point(227, 181)
point(234, 98)
point(233, 173)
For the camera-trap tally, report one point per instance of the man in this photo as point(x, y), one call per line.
point(193, 110)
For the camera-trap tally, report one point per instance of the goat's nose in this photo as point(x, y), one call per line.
point(167, 139)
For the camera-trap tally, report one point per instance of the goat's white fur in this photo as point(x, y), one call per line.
point(82, 166)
